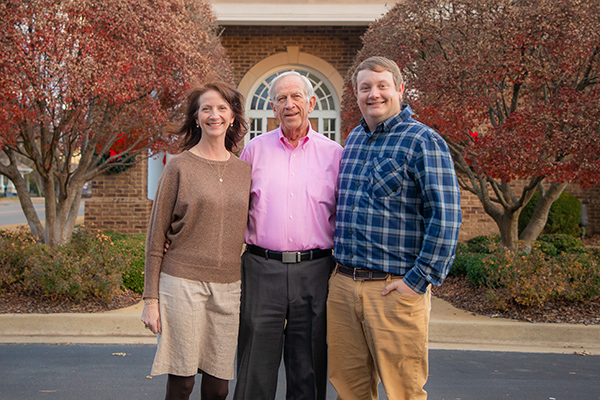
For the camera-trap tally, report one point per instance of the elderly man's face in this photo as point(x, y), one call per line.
point(291, 106)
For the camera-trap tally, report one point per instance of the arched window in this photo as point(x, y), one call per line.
point(324, 118)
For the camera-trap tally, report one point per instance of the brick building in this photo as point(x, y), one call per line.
point(264, 38)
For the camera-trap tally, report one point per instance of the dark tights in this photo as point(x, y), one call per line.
point(211, 388)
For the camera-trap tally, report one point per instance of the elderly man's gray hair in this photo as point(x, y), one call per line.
point(308, 88)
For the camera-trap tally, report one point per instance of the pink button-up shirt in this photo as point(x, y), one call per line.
point(294, 191)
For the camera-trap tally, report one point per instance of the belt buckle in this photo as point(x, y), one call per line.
point(291, 257)
point(368, 278)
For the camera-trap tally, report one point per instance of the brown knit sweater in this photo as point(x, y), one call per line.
point(203, 219)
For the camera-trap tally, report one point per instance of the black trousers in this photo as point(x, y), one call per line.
point(283, 310)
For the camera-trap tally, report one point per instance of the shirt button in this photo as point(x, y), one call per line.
point(291, 240)
point(292, 174)
point(291, 217)
point(291, 194)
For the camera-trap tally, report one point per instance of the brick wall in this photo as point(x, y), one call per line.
point(248, 45)
point(475, 220)
point(119, 201)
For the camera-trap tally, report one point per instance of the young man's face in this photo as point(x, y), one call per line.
point(377, 96)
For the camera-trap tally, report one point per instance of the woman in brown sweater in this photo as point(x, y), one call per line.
point(192, 292)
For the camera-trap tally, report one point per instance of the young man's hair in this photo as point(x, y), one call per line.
point(379, 64)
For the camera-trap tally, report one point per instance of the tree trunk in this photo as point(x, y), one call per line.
point(50, 205)
point(500, 203)
point(33, 220)
point(540, 214)
point(69, 208)
point(509, 229)
point(61, 212)
point(11, 172)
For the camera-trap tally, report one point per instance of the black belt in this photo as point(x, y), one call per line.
point(288, 257)
point(363, 274)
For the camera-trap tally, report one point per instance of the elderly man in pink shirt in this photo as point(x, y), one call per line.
point(288, 258)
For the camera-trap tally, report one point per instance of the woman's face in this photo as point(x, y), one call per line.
point(214, 114)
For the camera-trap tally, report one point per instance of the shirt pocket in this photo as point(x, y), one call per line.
point(387, 178)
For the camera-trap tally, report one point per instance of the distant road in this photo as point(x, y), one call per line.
point(12, 214)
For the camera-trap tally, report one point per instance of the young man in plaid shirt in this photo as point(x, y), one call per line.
point(397, 223)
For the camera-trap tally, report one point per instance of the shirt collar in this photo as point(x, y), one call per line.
point(302, 142)
point(385, 126)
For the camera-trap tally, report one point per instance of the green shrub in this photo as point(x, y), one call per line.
point(469, 264)
point(561, 243)
point(476, 269)
point(563, 217)
point(521, 278)
point(533, 279)
point(559, 267)
point(547, 248)
point(16, 249)
point(88, 266)
point(486, 244)
point(582, 274)
point(131, 247)
point(459, 267)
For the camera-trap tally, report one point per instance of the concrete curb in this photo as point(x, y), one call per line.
point(74, 328)
point(515, 336)
point(117, 326)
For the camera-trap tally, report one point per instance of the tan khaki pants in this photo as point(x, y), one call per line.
point(373, 337)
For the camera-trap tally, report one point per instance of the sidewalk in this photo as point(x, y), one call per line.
point(450, 328)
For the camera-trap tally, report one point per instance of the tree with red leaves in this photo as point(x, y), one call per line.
point(512, 86)
point(88, 85)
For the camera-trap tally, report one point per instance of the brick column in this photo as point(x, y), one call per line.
point(119, 201)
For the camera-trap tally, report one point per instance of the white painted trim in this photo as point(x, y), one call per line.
point(252, 13)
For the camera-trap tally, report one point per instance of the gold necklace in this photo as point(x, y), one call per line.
point(220, 176)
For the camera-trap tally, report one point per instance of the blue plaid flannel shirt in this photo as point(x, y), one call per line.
point(398, 208)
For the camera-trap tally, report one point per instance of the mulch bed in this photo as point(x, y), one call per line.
point(19, 303)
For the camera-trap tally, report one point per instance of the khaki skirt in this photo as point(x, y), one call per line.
point(200, 323)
